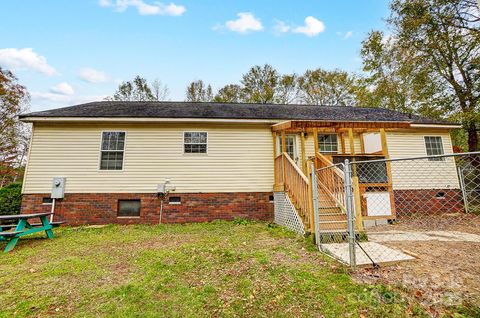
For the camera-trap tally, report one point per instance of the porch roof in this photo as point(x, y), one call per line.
point(306, 125)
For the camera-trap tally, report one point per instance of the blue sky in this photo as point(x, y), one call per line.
point(67, 52)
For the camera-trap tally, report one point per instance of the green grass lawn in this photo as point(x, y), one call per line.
point(219, 269)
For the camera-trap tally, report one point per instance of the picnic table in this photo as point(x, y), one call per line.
point(23, 227)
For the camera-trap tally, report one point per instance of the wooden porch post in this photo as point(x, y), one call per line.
point(315, 146)
point(383, 137)
point(342, 143)
point(274, 137)
point(310, 199)
point(357, 199)
point(351, 142)
point(284, 149)
point(302, 150)
point(362, 143)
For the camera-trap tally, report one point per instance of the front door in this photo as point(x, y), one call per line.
point(290, 145)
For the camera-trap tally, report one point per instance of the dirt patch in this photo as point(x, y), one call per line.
point(444, 273)
point(460, 222)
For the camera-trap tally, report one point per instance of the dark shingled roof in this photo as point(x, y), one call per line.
point(121, 109)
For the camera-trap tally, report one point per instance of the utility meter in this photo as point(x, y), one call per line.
point(58, 188)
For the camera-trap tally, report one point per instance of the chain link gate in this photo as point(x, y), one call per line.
point(376, 212)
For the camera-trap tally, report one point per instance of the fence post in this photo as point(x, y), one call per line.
point(462, 186)
point(314, 188)
point(350, 213)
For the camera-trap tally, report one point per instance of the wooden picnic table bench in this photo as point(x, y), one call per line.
point(24, 227)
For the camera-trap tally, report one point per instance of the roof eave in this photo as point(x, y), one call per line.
point(33, 119)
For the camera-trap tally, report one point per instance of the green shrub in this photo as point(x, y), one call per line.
point(11, 199)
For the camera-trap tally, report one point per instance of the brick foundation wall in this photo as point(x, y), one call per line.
point(425, 201)
point(101, 208)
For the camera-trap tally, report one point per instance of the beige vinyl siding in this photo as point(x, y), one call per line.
point(420, 174)
point(309, 146)
point(239, 158)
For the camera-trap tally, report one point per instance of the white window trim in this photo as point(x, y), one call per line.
point(328, 152)
point(295, 146)
point(425, 145)
point(190, 153)
point(100, 152)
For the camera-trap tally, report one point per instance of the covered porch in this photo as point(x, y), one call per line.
point(300, 146)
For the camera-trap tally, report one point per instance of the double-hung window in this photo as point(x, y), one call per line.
point(434, 147)
point(327, 143)
point(112, 151)
point(195, 142)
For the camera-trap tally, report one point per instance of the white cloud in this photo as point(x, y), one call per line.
point(25, 59)
point(38, 97)
point(104, 3)
point(92, 75)
point(62, 89)
point(312, 27)
point(281, 27)
point(345, 35)
point(348, 35)
point(157, 8)
point(246, 22)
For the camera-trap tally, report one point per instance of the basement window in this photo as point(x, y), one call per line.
point(174, 200)
point(47, 200)
point(128, 208)
point(440, 195)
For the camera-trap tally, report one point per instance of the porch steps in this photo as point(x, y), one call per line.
point(328, 226)
point(332, 217)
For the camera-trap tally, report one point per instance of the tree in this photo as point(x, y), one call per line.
point(259, 84)
point(135, 90)
point(287, 89)
point(322, 87)
point(394, 79)
point(13, 133)
point(231, 93)
point(159, 90)
point(197, 91)
point(443, 41)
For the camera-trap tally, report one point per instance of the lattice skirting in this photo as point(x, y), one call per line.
point(285, 213)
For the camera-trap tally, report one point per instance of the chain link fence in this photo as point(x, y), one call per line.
point(376, 211)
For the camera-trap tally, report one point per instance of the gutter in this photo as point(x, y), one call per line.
point(34, 119)
point(28, 119)
point(441, 126)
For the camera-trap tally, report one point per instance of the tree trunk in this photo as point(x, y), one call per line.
point(472, 137)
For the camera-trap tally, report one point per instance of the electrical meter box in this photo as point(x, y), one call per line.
point(58, 187)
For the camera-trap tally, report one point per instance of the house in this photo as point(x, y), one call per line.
point(225, 161)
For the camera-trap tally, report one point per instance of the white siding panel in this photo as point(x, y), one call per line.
point(420, 174)
point(239, 159)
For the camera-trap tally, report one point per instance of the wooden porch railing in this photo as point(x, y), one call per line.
point(296, 184)
point(278, 166)
point(331, 182)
